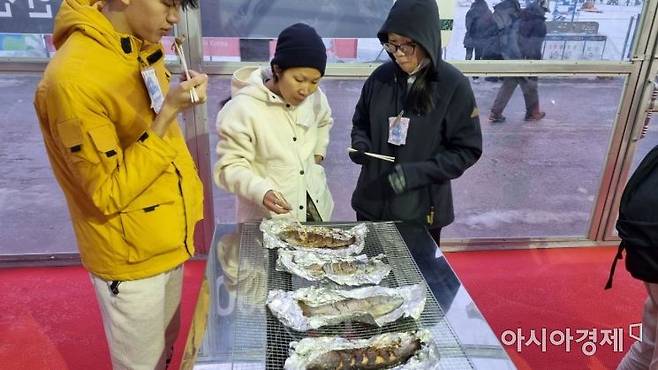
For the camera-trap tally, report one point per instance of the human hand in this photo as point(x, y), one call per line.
point(396, 179)
point(318, 159)
point(276, 203)
point(180, 96)
point(358, 155)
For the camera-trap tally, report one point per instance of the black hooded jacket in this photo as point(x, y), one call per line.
point(532, 31)
point(637, 224)
point(440, 145)
point(480, 26)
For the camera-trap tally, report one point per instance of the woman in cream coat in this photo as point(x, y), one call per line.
point(274, 132)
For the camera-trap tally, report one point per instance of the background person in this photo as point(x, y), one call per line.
point(274, 133)
point(420, 110)
point(522, 34)
point(108, 120)
point(637, 226)
point(480, 28)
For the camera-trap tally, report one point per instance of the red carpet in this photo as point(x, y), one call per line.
point(49, 318)
point(554, 289)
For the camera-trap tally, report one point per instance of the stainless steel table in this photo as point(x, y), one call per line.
point(238, 328)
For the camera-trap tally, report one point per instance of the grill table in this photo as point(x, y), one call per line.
point(233, 329)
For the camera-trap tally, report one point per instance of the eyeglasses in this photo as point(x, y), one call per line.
point(406, 49)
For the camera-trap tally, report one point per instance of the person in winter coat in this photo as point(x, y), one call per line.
point(420, 110)
point(637, 227)
point(274, 132)
point(479, 29)
point(522, 34)
point(108, 119)
point(532, 31)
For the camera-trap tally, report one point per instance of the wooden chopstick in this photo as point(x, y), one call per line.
point(383, 157)
point(279, 197)
point(193, 94)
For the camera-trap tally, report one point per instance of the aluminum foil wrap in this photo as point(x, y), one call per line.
point(275, 229)
point(374, 305)
point(348, 270)
point(310, 352)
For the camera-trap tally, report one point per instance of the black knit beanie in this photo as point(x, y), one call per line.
point(300, 46)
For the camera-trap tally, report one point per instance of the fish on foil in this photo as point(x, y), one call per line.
point(375, 306)
point(316, 236)
point(400, 351)
point(315, 307)
point(347, 270)
point(284, 233)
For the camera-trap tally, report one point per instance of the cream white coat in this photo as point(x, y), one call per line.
point(266, 144)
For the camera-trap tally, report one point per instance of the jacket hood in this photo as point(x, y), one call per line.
point(249, 81)
point(534, 10)
point(85, 16)
point(419, 21)
point(477, 4)
point(508, 7)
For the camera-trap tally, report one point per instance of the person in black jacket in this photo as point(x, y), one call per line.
point(420, 110)
point(480, 29)
point(522, 36)
point(532, 30)
point(637, 226)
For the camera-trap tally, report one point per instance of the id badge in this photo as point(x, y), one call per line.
point(397, 130)
point(153, 87)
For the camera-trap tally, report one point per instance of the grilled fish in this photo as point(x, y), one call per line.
point(368, 358)
point(346, 267)
point(375, 306)
point(317, 237)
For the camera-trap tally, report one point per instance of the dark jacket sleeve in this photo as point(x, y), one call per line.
point(462, 143)
point(361, 119)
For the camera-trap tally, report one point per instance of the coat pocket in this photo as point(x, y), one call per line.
point(412, 206)
point(107, 146)
point(319, 191)
point(153, 226)
point(76, 143)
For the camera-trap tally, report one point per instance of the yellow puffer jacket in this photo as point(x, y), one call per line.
point(134, 197)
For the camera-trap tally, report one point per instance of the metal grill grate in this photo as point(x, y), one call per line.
point(262, 339)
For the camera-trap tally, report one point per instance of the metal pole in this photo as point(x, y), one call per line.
point(628, 32)
point(573, 12)
point(630, 46)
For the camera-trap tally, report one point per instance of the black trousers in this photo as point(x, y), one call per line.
point(434, 232)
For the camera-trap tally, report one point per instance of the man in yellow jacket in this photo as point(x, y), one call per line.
point(108, 119)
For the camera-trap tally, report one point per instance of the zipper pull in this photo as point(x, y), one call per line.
point(430, 216)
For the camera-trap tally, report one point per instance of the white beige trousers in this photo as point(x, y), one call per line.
point(643, 354)
point(142, 320)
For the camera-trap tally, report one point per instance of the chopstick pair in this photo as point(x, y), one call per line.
point(178, 41)
point(279, 196)
point(383, 157)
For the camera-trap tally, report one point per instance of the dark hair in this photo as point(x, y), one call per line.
point(189, 4)
point(420, 99)
point(276, 76)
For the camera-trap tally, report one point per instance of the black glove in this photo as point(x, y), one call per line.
point(396, 179)
point(359, 156)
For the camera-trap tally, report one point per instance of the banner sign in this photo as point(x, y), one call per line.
point(27, 16)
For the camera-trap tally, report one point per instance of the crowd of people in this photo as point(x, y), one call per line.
point(108, 109)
